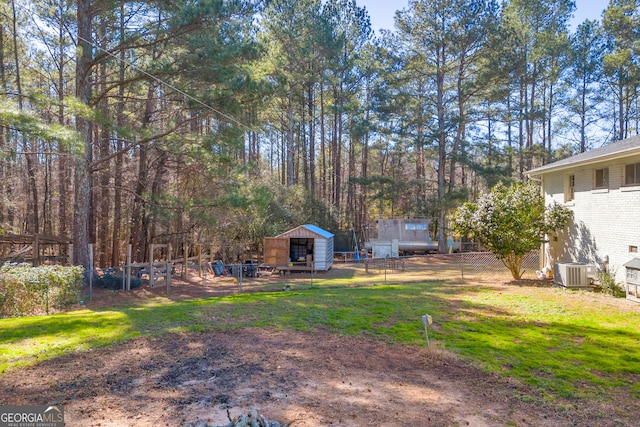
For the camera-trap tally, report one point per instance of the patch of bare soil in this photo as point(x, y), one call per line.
point(312, 379)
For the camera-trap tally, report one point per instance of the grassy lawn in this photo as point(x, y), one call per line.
point(563, 344)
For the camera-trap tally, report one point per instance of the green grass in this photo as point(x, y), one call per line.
point(563, 347)
point(26, 340)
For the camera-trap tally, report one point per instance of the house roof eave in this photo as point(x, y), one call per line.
point(614, 151)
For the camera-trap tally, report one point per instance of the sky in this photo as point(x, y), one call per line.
point(382, 12)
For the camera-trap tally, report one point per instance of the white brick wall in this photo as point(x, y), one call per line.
point(605, 222)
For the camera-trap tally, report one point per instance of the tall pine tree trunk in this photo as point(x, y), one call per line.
point(323, 149)
point(442, 149)
point(63, 163)
point(104, 216)
point(82, 179)
point(5, 143)
point(3, 84)
point(138, 236)
point(118, 179)
point(289, 140)
point(312, 143)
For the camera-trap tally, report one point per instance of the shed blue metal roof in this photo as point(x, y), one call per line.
point(318, 230)
point(307, 231)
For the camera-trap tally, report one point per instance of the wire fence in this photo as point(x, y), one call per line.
point(240, 278)
point(485, 263)
point(457, 266)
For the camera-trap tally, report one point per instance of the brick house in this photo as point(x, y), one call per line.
point(602, 188)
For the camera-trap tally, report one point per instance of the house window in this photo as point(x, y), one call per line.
point(632, 174)
point(569, 188)
point(633, 249)
point(601, 178)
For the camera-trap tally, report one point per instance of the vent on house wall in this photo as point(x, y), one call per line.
point(573, 275)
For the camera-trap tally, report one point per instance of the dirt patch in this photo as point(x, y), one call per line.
point(314, 379)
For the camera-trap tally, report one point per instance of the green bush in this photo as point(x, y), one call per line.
point(26, 290)
point(608, 284)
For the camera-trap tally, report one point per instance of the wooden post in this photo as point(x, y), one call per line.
point(186, 261)
point(169, 252)
point(70, 253)
point(168, 276)
point(128, 268)
point(200, 260)
point(36, 250)
point(151, 272)
point(90, 271)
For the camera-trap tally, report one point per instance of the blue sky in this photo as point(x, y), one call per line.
point(383, 11)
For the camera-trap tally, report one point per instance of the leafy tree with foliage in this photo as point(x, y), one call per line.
point(510, 221)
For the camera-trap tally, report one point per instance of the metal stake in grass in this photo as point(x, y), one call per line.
point(313, 266)
point(426, 320)
point(385, 269)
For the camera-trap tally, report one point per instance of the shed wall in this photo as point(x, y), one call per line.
point(323, 253)
point(276, 251)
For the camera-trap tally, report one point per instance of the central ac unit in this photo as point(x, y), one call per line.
point(573, 274)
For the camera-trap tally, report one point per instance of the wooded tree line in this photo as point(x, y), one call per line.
point(229, 120)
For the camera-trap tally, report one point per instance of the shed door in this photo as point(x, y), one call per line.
point(276, 251)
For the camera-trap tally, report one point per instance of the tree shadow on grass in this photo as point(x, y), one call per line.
point(532, 347)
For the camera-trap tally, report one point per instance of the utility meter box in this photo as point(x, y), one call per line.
point(427, 320)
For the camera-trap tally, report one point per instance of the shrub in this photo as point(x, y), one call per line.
point(26, 290)
point(511, 222)
point(608, 284)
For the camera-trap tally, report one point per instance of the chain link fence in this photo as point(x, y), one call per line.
point(457, 266)
point(481, 264)
point(240, 278)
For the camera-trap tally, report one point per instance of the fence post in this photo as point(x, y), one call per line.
point(385, 269)
point(151, 267)
point(90, 271)
point(129, 268)
point(168, 276)
point(186, 260)
point(35, 249)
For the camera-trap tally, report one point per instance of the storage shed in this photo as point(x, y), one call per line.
point(633, 279)
point(305, 247)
